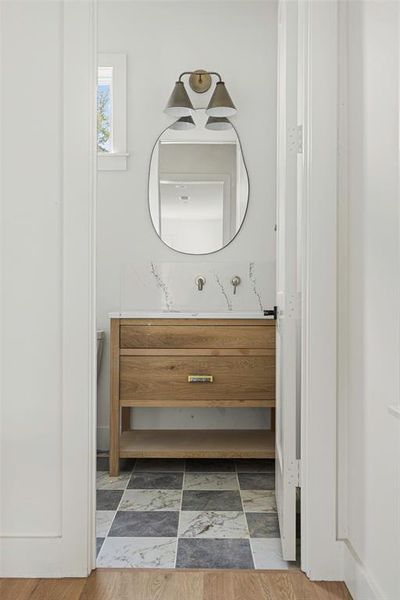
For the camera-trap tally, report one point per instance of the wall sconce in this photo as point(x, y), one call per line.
point(220, 105)
point(183, 124)
point(218, 123)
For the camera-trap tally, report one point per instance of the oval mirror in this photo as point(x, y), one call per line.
point(198, 184)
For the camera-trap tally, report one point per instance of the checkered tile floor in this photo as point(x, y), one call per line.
point(188, 514)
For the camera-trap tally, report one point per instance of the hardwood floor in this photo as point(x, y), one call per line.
point(151, 584)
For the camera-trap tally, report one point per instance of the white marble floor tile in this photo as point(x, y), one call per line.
point(140, 500)
point(267, 553)
point(128, 552)
point(212, 524)
point(258, 500)
point(104, 519)
point(105, 482)
point(210, 481)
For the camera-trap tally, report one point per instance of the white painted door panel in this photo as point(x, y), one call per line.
point(287, 297)
point(47, 341)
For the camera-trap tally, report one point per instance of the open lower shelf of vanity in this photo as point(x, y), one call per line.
point(198, 443)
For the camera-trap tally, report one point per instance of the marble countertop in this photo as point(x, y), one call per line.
point(186, 315)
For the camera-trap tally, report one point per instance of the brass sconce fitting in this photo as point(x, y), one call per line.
point(220, 105)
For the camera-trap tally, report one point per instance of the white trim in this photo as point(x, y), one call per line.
point(394, 410)
point(116, 160)
point(343, 276)
point(318, 56)
point(79, 344)
point(111, 161)
point(287, 355)
point(398, 171)
point(359, 582)
point(93, 331)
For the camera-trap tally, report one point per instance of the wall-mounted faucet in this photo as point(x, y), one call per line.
point(200, 281)
point(235, 281)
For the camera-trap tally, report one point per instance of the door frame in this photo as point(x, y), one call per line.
point(318, 61)
point(318, 114)
point(79, 50)
point(287, 280)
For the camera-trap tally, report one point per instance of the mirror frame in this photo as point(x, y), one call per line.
point(245, 212)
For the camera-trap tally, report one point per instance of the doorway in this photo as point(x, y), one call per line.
point(291, 470)
point(213, 512)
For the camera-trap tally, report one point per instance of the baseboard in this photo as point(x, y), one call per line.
point(37, 557)
point(359, 582)
point(103, 438)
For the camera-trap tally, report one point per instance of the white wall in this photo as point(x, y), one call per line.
point(162, 39)
point(369, 501)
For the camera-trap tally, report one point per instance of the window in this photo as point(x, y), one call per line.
point(104, 109)
point(111, 112)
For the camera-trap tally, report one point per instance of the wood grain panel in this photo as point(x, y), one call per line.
point(164, 378)
point(198, 443)
point(197, 336)
point(186, 584)
point(42, 589)
point(125, 419)
point(197, 352)
point(174, 403)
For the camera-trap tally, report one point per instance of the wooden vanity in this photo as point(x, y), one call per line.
point(190, 362)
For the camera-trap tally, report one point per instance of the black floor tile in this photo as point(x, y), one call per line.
point(214, 554)
point(160, 465)
point(256, 481)
point(210, 465)
point(99, 543)
point(211, 500)
point(125, 464)
point(263, 525)
point(145, 524)
point(160, 481)
point(102, 463)
point(108, 499)
point(253, 465)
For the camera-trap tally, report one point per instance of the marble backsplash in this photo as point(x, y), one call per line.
point(171, 286)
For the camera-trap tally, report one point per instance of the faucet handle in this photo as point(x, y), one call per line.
point(235, 281)
point(200, 281)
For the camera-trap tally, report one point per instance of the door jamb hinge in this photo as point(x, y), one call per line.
point(299, 139)
point(298, 471)
point(294, 473)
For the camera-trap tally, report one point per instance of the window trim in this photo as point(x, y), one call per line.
point(116, 160)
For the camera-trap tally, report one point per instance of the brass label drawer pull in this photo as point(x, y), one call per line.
point(200, 378)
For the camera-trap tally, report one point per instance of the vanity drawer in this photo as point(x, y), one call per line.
point(217, 335)
point(164, 379)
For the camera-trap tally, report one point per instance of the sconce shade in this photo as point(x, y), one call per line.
point(179, 104)
point(183, 123)
point(221, 104)
point(218, 123)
